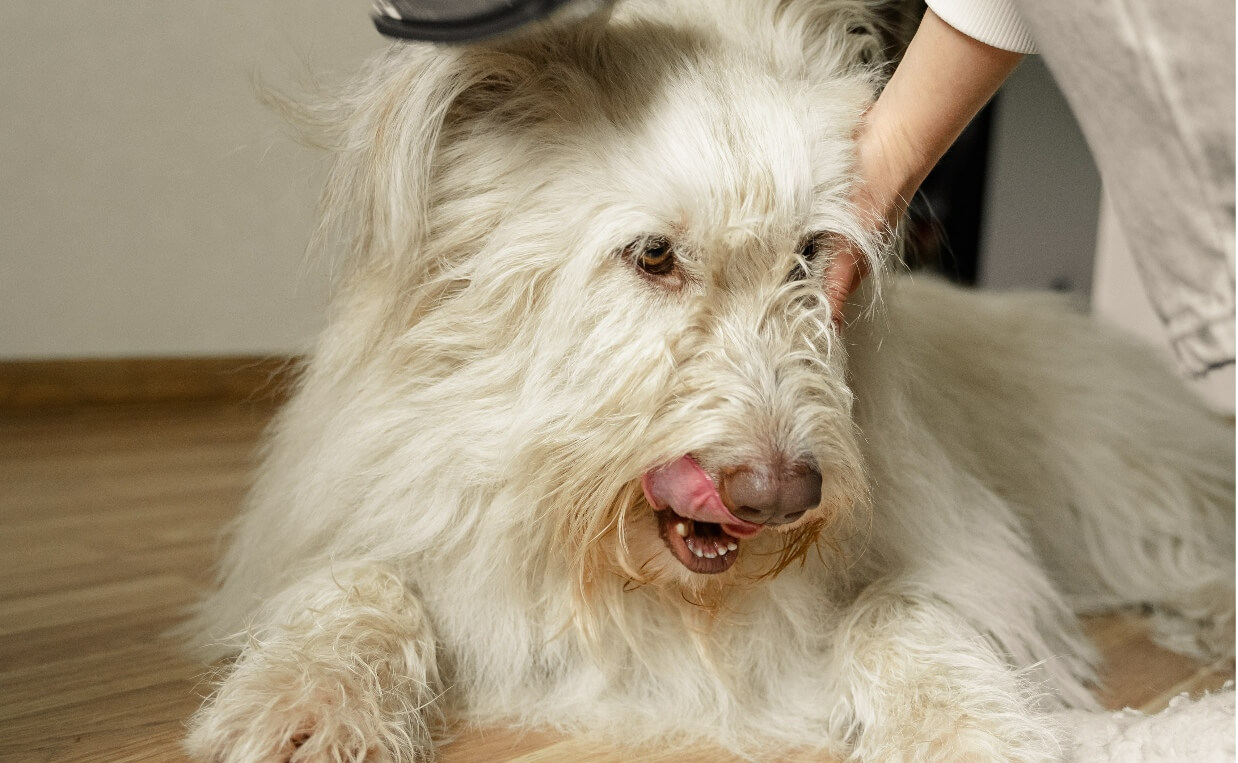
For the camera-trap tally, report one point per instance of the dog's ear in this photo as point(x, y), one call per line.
point(384, 128)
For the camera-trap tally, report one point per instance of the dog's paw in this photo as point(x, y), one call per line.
point(289, 730)
point(976, 744)
point(347, 674)
point(254, 719)
point(941, 736)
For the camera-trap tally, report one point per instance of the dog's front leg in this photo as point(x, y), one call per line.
point(339, 667)
point(917, 684)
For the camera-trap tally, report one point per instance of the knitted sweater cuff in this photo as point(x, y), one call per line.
point(993, 22)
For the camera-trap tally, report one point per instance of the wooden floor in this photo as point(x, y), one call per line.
point(108, 520)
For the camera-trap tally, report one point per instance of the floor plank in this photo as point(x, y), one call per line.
point(109, 518)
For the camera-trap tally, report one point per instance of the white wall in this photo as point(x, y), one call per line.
point(1042, 193)
point(149, 205)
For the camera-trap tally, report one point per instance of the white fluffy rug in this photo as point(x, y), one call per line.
point(1200, 731)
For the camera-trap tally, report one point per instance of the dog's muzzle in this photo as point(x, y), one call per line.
point(703, 523)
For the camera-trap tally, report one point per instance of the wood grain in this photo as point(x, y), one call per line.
point(109, 519)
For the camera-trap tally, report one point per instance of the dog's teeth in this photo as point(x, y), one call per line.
point(698, 552)
point(721, 551)
point(682, 529)
point(732, 546)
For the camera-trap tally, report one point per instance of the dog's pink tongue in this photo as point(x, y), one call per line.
point(687, 490)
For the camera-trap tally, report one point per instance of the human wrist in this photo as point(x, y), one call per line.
point(890, 171)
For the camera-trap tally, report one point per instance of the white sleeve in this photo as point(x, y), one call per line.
point(993, 22)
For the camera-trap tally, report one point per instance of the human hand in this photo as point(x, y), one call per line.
point(945, 77)
point(879, 199)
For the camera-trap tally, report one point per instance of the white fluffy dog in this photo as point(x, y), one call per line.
point(580, 447)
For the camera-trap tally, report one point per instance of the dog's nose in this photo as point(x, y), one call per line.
point(767, 496)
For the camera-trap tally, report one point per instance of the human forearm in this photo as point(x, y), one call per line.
point(945, 77)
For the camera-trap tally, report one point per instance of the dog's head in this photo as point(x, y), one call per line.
point(600, 250)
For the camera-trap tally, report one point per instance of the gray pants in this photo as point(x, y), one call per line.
point(1152, 85)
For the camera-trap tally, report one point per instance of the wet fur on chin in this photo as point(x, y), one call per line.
point(448, 523)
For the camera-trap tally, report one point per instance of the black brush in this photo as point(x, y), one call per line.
point(466, 20)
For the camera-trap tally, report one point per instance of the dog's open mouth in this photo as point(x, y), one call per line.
point(702, 547)
point(694, 522)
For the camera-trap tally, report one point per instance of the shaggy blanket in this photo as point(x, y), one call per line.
point(1199, 731)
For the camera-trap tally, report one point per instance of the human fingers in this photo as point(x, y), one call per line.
point(842, 276)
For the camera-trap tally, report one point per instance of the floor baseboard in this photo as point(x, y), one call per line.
point(43, 384)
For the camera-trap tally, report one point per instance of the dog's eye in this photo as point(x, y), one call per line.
point(654, 256)
point(808, 253)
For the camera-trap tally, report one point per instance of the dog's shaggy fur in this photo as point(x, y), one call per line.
point(583, 254)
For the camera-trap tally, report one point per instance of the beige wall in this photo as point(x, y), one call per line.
point(148, 204)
